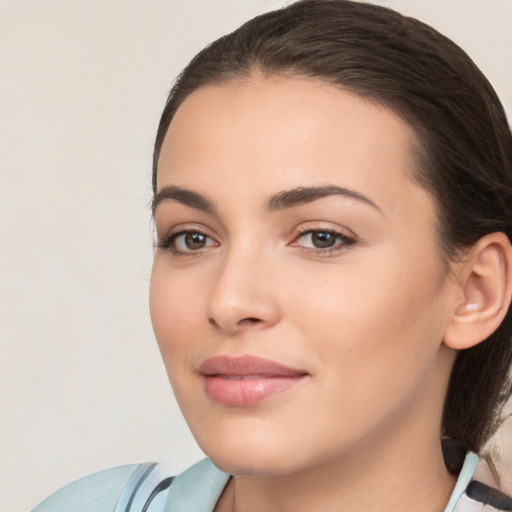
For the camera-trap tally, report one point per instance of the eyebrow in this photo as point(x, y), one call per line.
point(304, 195)
point(183, 196)
point(280, 201)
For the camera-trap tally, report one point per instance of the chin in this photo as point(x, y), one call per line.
point(246, 451)
point(259, 452)
point(251, 464)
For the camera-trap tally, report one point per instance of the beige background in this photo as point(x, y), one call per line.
point(82, 83)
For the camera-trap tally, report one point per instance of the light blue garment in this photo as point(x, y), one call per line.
point(95, 493)
point(197, 489)
point(131, 488)
point(465, 476)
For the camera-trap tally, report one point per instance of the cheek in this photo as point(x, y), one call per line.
point(375, 339)
point(174, 310)
point(375, 317)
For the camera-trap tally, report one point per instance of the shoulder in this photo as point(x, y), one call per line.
point(110, 490)
point(140, 487)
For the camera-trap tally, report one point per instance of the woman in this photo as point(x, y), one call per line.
point(333, 274)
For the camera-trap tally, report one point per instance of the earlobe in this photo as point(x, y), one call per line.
point(486, 281)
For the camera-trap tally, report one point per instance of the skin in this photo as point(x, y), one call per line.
point(365, 319)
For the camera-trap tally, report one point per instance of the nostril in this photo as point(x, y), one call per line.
point(244, 322)
point(250, 321)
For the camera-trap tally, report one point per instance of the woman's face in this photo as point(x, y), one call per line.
point(297, 295)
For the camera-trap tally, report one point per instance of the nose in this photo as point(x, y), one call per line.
point(244, 296)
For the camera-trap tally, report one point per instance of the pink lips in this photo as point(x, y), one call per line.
point(246, 380)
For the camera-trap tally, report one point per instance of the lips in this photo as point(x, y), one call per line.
point(246, 380)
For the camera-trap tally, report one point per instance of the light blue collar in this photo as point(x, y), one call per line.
point(199, 487)
point(465, 476)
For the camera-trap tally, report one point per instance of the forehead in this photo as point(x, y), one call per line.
point(271, 133)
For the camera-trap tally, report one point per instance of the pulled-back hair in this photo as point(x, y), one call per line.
point(463, 155)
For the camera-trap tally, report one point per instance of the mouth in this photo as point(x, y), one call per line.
point(247, 380)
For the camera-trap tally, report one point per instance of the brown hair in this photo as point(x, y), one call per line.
point(465, 143)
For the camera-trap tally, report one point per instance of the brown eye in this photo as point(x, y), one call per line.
point(323, 239)
point(187, 242)
point(194, 241)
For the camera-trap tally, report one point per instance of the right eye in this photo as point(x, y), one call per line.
point(187, 242)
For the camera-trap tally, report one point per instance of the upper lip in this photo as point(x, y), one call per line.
point(247, 365)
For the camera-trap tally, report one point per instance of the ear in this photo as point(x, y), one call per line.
point(485, 279)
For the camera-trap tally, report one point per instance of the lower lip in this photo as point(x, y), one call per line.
point(246, 391)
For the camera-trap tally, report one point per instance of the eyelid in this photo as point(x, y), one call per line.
point(171, 228)
point(329, 227)
point(166, 241)
point(347, 238)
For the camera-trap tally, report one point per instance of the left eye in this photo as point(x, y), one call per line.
point(322, 239)
point(189, 241)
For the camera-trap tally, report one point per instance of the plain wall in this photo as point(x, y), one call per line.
point(82, 84)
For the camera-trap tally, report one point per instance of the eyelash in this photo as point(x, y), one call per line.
point(344, 241)
point(169, 242)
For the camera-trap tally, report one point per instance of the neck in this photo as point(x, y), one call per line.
point(387, 473)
